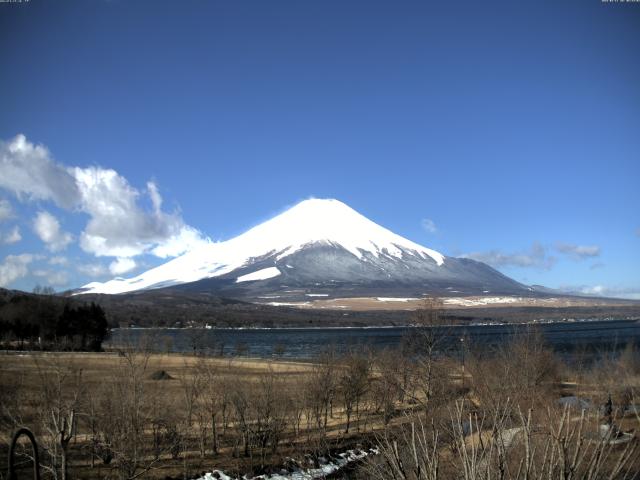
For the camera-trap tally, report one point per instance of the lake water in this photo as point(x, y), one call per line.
point(567, 338)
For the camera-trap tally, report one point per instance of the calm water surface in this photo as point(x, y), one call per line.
point(567, 338)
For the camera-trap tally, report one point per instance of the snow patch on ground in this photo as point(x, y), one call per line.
point(472, 302)
point(395, 299)
point(326, 468)
point(288, 304)
point(259, 275)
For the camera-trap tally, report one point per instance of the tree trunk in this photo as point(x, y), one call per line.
point(348, 412)
point(215, 434)
point(63, 465)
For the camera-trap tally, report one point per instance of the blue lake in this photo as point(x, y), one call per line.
point(590, 338)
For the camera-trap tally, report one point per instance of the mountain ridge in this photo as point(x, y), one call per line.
point(323, 245)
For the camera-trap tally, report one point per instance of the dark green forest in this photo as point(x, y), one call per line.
point(49, 322)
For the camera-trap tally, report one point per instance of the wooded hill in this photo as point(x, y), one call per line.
point(46, 321)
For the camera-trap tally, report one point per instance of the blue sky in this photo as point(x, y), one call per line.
point(505, 131)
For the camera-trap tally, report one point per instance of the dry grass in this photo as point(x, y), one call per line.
point(22, 373)
point(362, 304)
point(524, 376)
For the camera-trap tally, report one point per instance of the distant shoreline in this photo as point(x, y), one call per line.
point(367, 327)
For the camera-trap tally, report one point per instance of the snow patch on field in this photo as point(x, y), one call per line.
point(472, 302)
point(395, 299)
point(288, 304)
point(259, 275)
point(326, 468)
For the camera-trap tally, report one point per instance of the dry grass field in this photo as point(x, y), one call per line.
point(363, 304)
point(23, 377)
point(175, 395)
point(132, 414)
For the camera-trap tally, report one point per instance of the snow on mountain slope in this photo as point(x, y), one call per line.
point(310, 222)
point(263, 274)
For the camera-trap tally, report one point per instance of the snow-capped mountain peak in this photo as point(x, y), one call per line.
point(311, 222)
point(331, 221)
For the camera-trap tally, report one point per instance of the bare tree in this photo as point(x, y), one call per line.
point(410, 453)
point(353, 384)
point(427, 347)
point(321, 388)
point(212, 404)
point(239, 399)
point(192, 385)
point(270, 413)
point(386, 385)
point(498, 447)
point(60, 394)
point(522, 372)
point(127, 414)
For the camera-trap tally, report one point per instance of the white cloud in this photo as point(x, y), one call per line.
point(29, 171)
point(187, 239)
point(604, 291)
point(6, 211)
point(12, 237)
point(48, 229)
point(535, 257)
point(118, 226)
point(122, 265)
point(58, 260)
point(15, 267)
point(595, 290)
point(52, 278)
point(429, 225)
point(578, 252)
point(154, 194)
point(92, 270)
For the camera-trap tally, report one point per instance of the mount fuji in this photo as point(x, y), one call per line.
point(318, 248)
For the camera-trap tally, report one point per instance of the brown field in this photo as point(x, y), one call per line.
point(100, 369)
point(25, 374)
point(142, 415)
point(451, 303)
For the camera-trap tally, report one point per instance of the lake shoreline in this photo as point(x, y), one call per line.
point(365, 327)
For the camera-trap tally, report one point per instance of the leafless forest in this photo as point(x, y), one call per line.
point(516, 413)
